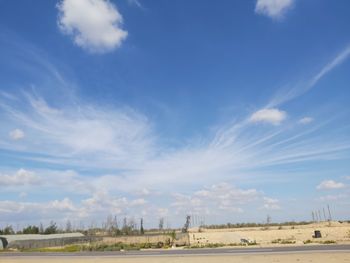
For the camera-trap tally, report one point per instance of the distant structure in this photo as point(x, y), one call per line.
point(39, 241)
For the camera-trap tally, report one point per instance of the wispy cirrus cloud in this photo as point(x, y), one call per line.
point(306, 120)
point(117, 149)
point(135, 3)
point(286, 94)
point(89, 136)
point(82, 132)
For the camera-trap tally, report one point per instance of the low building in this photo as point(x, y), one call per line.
point(40, 241)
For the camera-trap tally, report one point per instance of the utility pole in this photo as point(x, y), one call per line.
point(319, 214)
point(313, 217)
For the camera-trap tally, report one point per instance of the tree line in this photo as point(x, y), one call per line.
point(32, 229)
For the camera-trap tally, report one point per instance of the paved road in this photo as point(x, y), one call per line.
point(193, 252)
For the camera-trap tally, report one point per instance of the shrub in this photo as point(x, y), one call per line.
point(329, 242)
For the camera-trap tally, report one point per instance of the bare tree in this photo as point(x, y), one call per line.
point(268, 220)
point(68, 226)
point(161, 224)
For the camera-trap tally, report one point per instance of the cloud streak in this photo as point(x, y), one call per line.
point(106, 156)
point(288, 94)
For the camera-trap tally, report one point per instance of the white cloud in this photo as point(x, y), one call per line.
point(16, 134)
point(38, 212)
point(94, 24)
point(273, 116)
point(332, 197)
point(82, 132)
point(138, 202)
point(64, 205)
point(329, 185)
point(271, 204)
point(275, 9)
point(211, 200)
point(306, 120)
point(21, 177)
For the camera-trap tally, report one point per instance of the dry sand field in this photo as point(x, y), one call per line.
point(335, 231)
point(285, 258)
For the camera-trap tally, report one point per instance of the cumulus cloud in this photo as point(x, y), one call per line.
point(21, 177)
point(95, 25)
point(271, 204)
point(16, 134)
point(215, 199)
point(63, 205)
point(273, 116)
point(275, 9)
point(330, 185)
point(306, 120)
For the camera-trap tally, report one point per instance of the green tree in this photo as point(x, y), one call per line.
point(31, 230)
point(51, 229)
point(8, 230)
point(142, 231)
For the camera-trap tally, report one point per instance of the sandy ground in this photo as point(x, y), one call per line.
point(285, 258)
point(298, 234)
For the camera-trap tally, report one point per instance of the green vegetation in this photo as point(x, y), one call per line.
point(7, 231)
point(100, 247)
point(30, 230)
point(51, 229)
point(215, 245)
point(70, 248)
point(328, 242)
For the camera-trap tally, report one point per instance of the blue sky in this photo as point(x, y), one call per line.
point(229, 111)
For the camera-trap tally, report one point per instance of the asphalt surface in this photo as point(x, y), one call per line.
point(189, 252)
